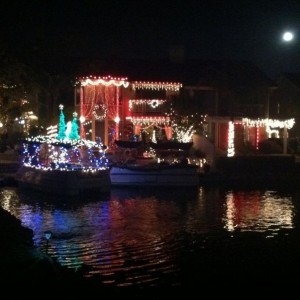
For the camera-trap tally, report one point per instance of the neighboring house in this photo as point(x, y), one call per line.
point(233, 95)
point(285, 100)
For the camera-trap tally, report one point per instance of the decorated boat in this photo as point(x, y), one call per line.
point(158, 167)
point(64, 164)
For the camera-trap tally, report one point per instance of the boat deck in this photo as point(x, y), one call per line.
point(154, 175)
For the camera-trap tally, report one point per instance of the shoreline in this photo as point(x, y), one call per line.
point(217, 178)
point(20, 260)
point(23, 265)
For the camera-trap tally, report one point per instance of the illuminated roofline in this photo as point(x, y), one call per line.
point(272, 123)
point(106, 81)
point(174, 86)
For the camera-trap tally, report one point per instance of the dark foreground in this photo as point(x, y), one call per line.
point(246, 264)
point(247, 260)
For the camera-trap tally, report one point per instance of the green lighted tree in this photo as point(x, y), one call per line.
point(74, 129)
point(62, 124)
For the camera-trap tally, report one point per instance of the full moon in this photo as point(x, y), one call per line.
point(287, 36)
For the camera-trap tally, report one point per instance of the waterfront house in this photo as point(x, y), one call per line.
point(234, 96)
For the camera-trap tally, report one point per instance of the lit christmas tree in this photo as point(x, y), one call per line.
point(74, 129)
point(62, 124)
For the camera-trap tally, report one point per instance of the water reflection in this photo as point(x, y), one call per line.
point(138, 237)
point(258, 211)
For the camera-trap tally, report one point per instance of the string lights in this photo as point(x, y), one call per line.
point(154, 103)
point(64, 152)
point(168, 86)
point(270, 125)
point(100, 107)
point(150, 120)
point(230, 146)
point(107, 81)
point(49, 154)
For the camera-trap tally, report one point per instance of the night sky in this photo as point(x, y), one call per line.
point(244, 30)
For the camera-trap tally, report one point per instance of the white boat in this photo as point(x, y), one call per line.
point(169, 166)
point(158, 175)
point(65, 168)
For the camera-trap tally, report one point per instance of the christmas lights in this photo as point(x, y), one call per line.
point(269, 123)
point(107, 81)
point(150, 120)
point(154, 103)
point(96, 110)
point(182, 134)
point(46, 153)
point(230, 147)
point(168, 86)
point(65, 152)
point(62, 125)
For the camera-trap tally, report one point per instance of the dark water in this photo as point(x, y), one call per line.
point(170, 238)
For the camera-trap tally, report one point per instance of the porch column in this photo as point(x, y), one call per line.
point(285, 136)
point(106, 131)
point(93, 128)
point(82, 116)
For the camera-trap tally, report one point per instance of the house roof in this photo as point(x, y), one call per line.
point(294, 78)
point(189, 72)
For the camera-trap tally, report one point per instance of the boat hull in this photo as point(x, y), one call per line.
point(69, 183)
point(175, 176)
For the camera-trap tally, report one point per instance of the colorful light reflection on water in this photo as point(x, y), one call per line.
point(258, 211)
point(134, 237)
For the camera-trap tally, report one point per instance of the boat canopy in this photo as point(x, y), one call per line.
point(171, 145)
point(128, 144)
